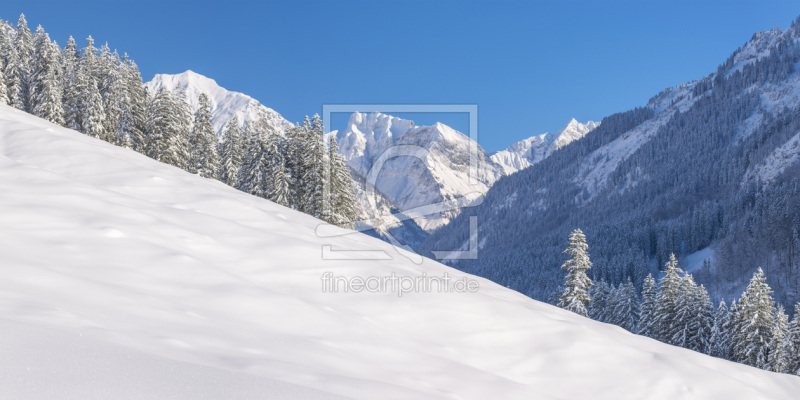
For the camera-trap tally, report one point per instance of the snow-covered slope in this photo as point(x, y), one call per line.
point(440, 175)
point(125, 278)
point(527, 152)
point(224, 103)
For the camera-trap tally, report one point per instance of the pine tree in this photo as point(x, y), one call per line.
point(626, 311)
point(13, 74)
point(575, 296)
point(312, 184)
point(666, 326)
point(793, 344)
point(276, 171)
point(92, 112)
point(755, 319)
point(72, 85)
point(648, 309)
point(719, 345)
point(253, 177)
point(778, 345)
point(159, 129)
point(342, 189)
point(204, 159)
point(601, 294)
point(139, 99)
point(230, 152)
point(46, 81)
point(24, 45)
point(181, 130)
point(3, 87)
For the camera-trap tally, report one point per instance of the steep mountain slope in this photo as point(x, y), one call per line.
point(441, 174)
point(224, 103)
point(707, 167)
point(126, 278)
point(534, 149)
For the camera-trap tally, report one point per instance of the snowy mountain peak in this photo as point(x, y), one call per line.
point(224, 103)
point(408, 182)
point(534, 149)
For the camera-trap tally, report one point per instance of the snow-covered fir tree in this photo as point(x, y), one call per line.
point(46, 84)
point(575, 296)
point(648, 309)
point(24, 46)
point(13, 71)
point(203, 159)
point(181, 124)
point(92, 112)
point(793, 344)
point(253, 176)
point(602, 296)
point(342, 189)
point(230, 152)
point(72, 90)
point(311, 183)
point(666, 327)
point(719, 345)
point(277, 174)
point(755, 320)
point(159, 129)
point(138, 98)
point(778, 345)
point(626, 306)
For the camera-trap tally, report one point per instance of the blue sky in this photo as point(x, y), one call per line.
point(530, 66)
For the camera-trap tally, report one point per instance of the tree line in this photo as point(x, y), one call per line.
point(101, 94)
point(678, 311)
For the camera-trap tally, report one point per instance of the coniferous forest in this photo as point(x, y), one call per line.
point(101, 94)
point(753, 330)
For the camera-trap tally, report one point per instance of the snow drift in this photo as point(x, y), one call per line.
point(126, 278)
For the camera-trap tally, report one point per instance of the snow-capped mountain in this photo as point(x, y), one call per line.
point(534, 149)
point(439, 175)
point(224, 103)
point(123, 277)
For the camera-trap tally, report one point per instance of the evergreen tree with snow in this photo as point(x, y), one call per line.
point(342, 189)
point(46, 80)
point(230, 152)
point(181, 119)
point(204, 159)
point(778, 345)
point(311, 184)
point(139, 99)
point(159, 127)
point(575, 296)
point(92, 112)
point(719, 345)
point(666, 326)
point(277, 174)
point(3, 87)
point(755, 320)
point(648, 308)
point(626, 306)
point(793, 344)
point(253, 176)
point(72, 85)
point(13, 74)
point(24, 45)
point(601, 294)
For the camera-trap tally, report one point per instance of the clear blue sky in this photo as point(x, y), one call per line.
point(530, 66)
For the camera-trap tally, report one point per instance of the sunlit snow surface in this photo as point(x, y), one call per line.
point(123, 278)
